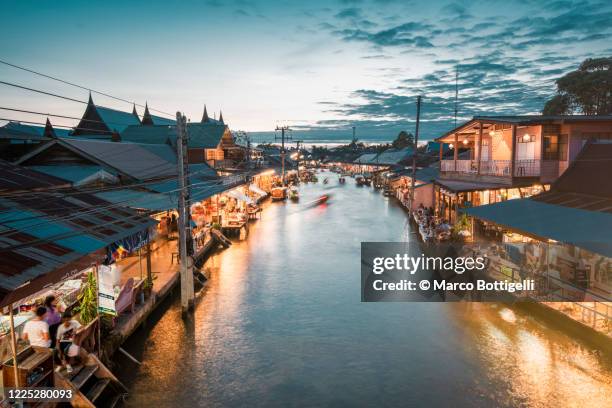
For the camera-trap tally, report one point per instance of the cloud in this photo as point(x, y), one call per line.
point(400, 35)
point(349, 13)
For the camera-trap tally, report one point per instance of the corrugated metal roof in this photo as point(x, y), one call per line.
point(365, 158)
point(205, 135)
point(44, 233)
point(136, 160)
point(166, 197)
point(116, 120)
point(392, 156)
point(585, 229)
point(150, 134)
point(458, 186)
point(158, 120)
point(73, 173)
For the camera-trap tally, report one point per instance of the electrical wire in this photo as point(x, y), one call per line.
point(80, 86)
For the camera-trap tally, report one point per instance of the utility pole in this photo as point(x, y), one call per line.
point(184, 220)
point(456, 92)
point(297, 144)
point(414, 155)
point(284, 130)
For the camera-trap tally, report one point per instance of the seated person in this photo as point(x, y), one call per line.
point(36, 331)
point(68, 351)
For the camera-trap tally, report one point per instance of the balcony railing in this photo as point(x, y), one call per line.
point(501, 168)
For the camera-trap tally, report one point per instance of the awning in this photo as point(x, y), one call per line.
point(239, 195)
point(589, 230)
point(257, 190)
point(461, 186)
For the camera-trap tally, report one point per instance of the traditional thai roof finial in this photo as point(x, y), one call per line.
point(146, 116)
point(220, 116)
point(134, 110)
point(49, 131)
point(205, 118)
point(90, 102)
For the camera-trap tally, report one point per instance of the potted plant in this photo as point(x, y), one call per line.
point(461, 229)
point(88, 300)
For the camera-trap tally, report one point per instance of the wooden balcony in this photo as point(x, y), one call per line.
point(497, 168)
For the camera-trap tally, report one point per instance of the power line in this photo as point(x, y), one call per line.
point(42, 92)
point(60, 116)
point(79, 86)
point(65, 235)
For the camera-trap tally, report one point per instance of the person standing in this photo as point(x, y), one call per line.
point(36, 331)
point(68, 351)
point(52, 317)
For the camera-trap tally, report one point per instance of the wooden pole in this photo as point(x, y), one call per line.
point(149, 272)
point(456, 150)
point(414, 155)
point(14, 347)
point(513, 151)
point(479, 152)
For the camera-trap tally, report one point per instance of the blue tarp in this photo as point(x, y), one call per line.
point(590, 230)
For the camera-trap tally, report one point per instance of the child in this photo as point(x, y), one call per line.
point(68, 351)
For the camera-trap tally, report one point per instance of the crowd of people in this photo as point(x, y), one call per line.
point(432, 228)
point(53, 329)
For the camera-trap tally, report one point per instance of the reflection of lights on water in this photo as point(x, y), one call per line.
point(508, 315)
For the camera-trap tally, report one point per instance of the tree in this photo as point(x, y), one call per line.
point(403, 139)
point(557, 105)
point(587, 90)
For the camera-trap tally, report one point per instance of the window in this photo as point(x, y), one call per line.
point(555, 147)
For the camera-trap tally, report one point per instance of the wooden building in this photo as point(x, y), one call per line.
point(510, 157)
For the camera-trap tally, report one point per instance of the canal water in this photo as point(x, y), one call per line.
point(281, 324)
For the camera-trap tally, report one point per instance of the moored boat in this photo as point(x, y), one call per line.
point(279, 193)
point(359, 179)
point(294, 194)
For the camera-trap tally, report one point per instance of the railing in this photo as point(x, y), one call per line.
point(500, 168)
point(496, 167)
point(463, 166)
point(527, 168)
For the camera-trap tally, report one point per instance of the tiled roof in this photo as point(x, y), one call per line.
point(155, 134)
point(205, 135)
point(116, 120)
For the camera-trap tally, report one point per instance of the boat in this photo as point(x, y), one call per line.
point(341, 180)
point(367, 179)
point(294, 195)
point(279, 193)
point(387, 192)
point(322, 200)
point(359, 179)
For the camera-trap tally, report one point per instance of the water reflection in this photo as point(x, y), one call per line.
point(281, 323)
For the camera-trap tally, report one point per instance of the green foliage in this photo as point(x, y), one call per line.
point(216, 226)
point(462, 224)
point(403, 140)
point(587, 90)
point(88, 300)
point(558, 105)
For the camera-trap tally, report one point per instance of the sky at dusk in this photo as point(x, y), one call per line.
point(321, 66)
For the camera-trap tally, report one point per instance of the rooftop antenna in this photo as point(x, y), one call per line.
point(456, 91)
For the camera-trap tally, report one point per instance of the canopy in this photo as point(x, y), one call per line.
point(239, 195)
point(585, 229)
point(257, 190)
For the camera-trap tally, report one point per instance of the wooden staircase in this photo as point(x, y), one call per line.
point(93, 385)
